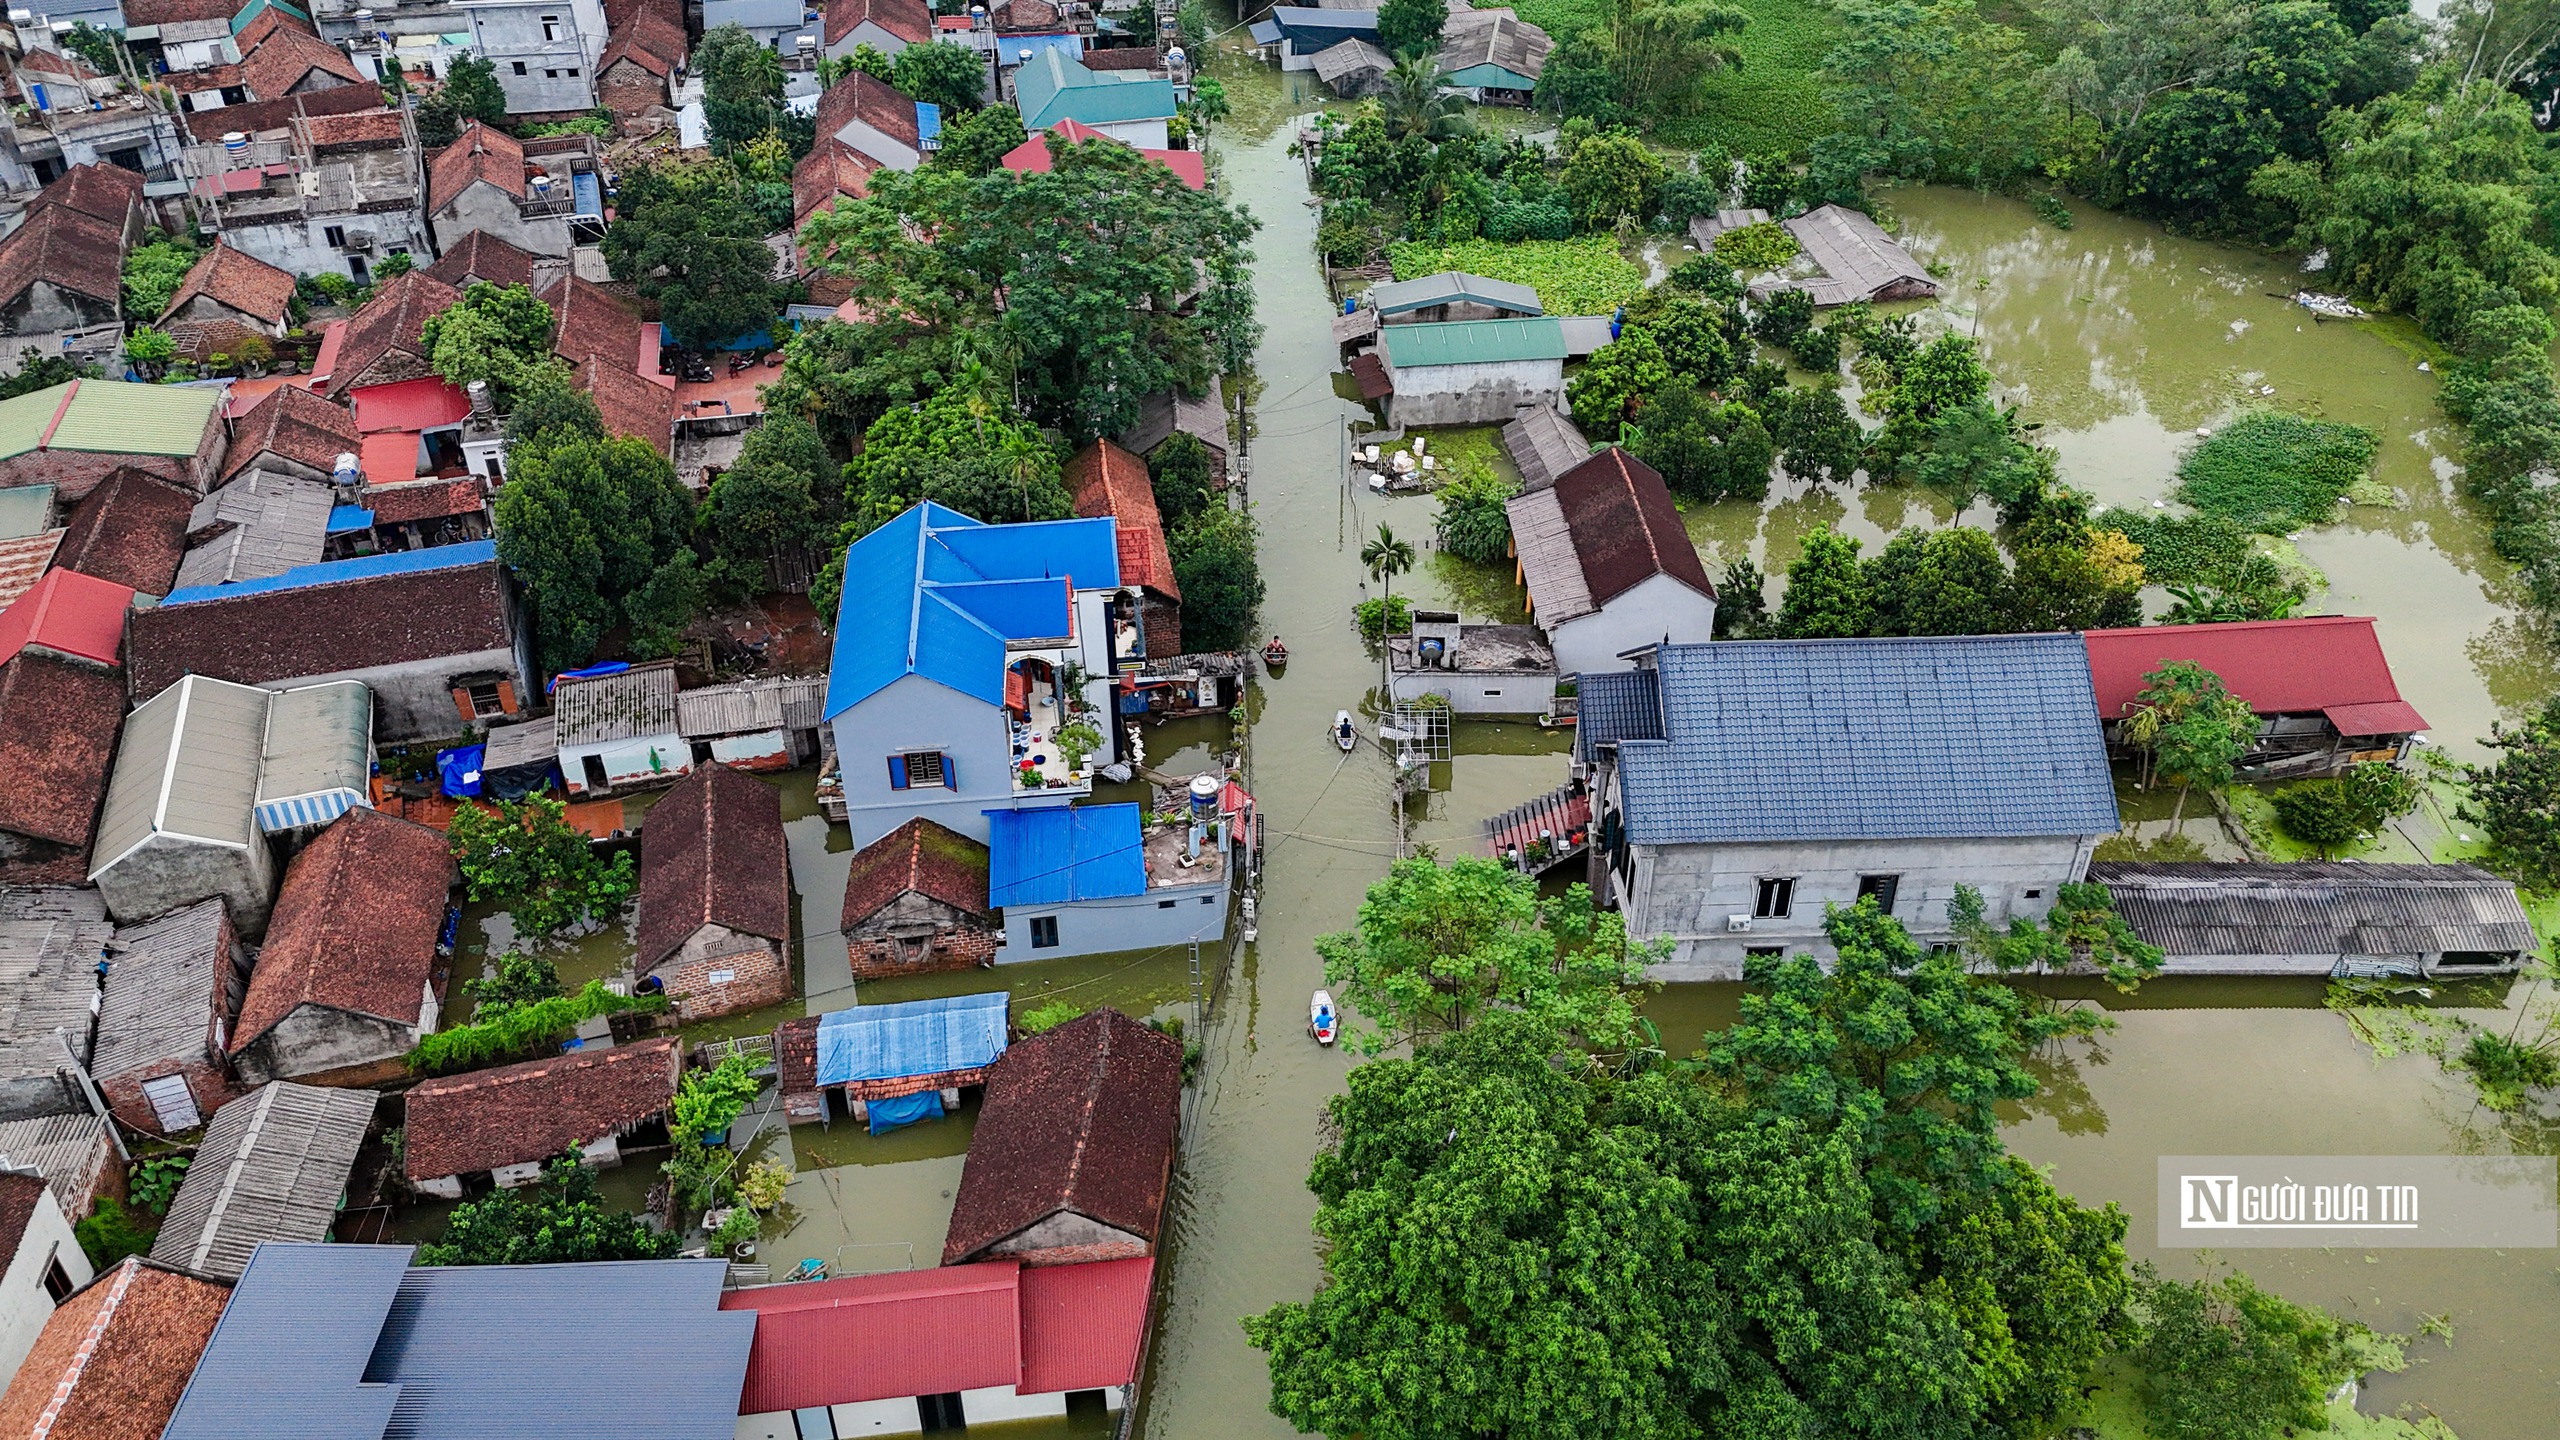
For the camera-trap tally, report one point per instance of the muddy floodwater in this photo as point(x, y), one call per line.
point(2121, 342)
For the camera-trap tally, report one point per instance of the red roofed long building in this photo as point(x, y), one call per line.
point(1109, 481)
point(1608, 564)
point(1033, 156)
point(940, 1349)
point(511, 1120)
point(2320, 686)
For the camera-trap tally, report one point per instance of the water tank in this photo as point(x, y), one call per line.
point(1433, 652)
point(21, 17)
point(1204, 797)
point(235, 143)
point(349, 472)
point(479, 392)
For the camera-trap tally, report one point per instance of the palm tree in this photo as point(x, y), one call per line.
point(1387, 557)
point(1412, 102)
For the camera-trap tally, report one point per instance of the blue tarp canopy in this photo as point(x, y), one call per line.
point(587, 193)
point(346, 518)
point(607, 667)
point(460, 767)
point(1058, 856)
point(917, 1037)
point(904, 1110)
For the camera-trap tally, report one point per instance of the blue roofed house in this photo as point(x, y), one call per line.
point(1094, 879)
point(352, 1342)
point(1741, 787)
point(957, 645)
point(1300, 33)
point(1129, 106)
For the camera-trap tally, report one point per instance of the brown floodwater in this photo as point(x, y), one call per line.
point(2121, 341)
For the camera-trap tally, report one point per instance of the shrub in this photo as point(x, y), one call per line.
point(2274, 472)
point(1764, 246)
point(1528, 220)
point(526, 856)
point(111, 1232)
point(1818, 351)
point(1785, 315)
point(1584, 276)
point(2050, 209)
point(1377, 618)
point(1048, 1017)
point(153, 1183)
point(522, 1029)
point(1473, 524)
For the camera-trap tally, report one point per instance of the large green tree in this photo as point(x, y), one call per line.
point(596, 531)
point(1216, 564)
point(951, 76)
point(1940, 582)
point(2515, 799)
point(688, 236)
point(498, 333)
point(963, 448)
point(1411, 27)
point(1827, 596)
point(742, 91)
point(775, 498)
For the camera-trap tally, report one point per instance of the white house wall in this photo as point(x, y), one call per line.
point(24, 1305)
point(913, 713)
point(1591, 644)
point(627, 762)
point(892, 153)
point(1172, 915)
point(1479, 394)
point(1145, 134)
point(1479, 694)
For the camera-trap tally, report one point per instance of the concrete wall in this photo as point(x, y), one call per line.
point(24, 1305)
point(914, 713)
point(315, 1041)
point(557, 74)
point(1066, 1238)
point(1145, 134)
point(761, 751)
point(1687, 891)
point(1171, 915)
point(1003, 1402)
point(866, 33)
point(300, 243)
point(1641, 616)
point(626, 762)
point(1479, 694)
point(486, 208)
point(167, 871)
point(206, 308)
point(415, 701)
point(44, 308)
point(720, 971)
point(1472, 394)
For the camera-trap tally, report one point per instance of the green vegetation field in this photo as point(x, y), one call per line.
point(1771, 105)
point(1582, 276)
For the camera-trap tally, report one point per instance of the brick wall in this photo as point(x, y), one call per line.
point(1163, 627)
point(954, 947)
point(627, 90)
point(1075, 1254)
point(757, 978)
point(207, 1079)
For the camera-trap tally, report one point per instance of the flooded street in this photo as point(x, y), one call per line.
point(2121, 341)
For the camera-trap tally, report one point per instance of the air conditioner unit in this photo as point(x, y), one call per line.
point(310, 185)
point(1737, 924)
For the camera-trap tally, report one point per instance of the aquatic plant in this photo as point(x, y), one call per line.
point(522, 1029)
point(1048, 1017)
point(2273, 471)
point(1584, 276)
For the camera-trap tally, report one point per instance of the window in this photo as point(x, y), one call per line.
point(357, 270)
point(1044, 932)
point(550, 27)
point(519, 67)
point(486, 701)
point(1208, 899)
point(1882, 887)
point(336, 235)
point(57, 1281)
point(1776, 899)
point(550, 74)
point(1165, 904)
point(573, 72)
point(921, 770)
point(1763, 952)
point(940, 1412)
point(2036, 893)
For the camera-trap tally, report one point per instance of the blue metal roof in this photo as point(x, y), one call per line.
point(928, 124)
point(1948, 737)
point(1311, 29)
point(329, 572)
point(344, 518)
point(1616, 705)
point(918, 1037)
point(937, 594)
point(349, 1342)
point(1061, 855)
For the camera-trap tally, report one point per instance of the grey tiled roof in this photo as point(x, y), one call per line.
point(273, 1166)
point(1616, 705)
point(1942, 737)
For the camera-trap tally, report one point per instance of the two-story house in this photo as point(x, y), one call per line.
point(548, 52)
point(1739, 788)
point(972, 668)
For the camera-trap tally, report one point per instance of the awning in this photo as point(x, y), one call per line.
point(347, 519)
point(1264, 32)
point(295, 811)
point(2381, 717)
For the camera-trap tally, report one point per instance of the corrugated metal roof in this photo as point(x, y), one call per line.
point(267, 524)
point(1937, 737)
point(533, 742)
point(1064, 854)
point(916, 1037)
point(1857, 258)
point(1473, 342)
point(68, 1150)
point(50, 941)
point(1082, 1324)
point(2305, 666)
point(1398, 297)
point(289, 1355)
point(117, 418)
point(1549, 565)
point(740, 708)
point(273, 1165)
point(881, 1337)
point(319, 746)
point(161, 990)
point(1544, 444)
point(187, 766)
point(1051, 87)
point(327, 572)
point(604, 709)
point(2318, 909)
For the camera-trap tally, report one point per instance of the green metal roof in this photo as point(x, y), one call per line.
point(1491, 77)
point(110, 417)
point(25, 510)
point(1473, 342)
point(1051, 87)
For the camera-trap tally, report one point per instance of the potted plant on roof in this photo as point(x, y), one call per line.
point(1077, 741)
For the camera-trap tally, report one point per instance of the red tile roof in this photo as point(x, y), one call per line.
point(58, 727)
point(1082, 1325)
point(589, 321)
point(517, 1114)
point(483, 256)
point(363, 130)
point(881, 1337)
point(909, 20)
point(76, 614)
point(23, 560)
point(1024, 17)
point(131, 530)
point(1126, 57)
point(832, 169)
point(479, 155)
point(294, 424)
point(268, 20)
point(18, 1196)
point(209, 126)
point(425, 500)
point(325, 629)
point(650, 36)
point(427, 403)
point(177, 12)
point(390, 457)
point(874, 102)
point(74, 250)
point(1078, 1120)
point(237, 279)
point(354, 926)
point(1369, 372)
point(631, 403)
point(113, 1360)
point(393, 320)
point(929, 859)
point(712, 853)
point(287, 58)
point(101, 192)
point(1107, 480)
point(1625, 528)
point(2330, 664)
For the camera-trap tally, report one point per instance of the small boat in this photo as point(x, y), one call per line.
point(1343, 734)
point(1275, 654)
point(1322, 1022)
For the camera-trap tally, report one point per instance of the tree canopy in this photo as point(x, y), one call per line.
point(690, 237)
point(561, 1221)
point(596, 530)
point(498, 333)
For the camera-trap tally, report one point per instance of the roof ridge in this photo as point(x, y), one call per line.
point(87, 1349)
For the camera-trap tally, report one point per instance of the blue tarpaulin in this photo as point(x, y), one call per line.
point(905, 1110)
point(609, 667)
point(918, 1037)
point(460, 767)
